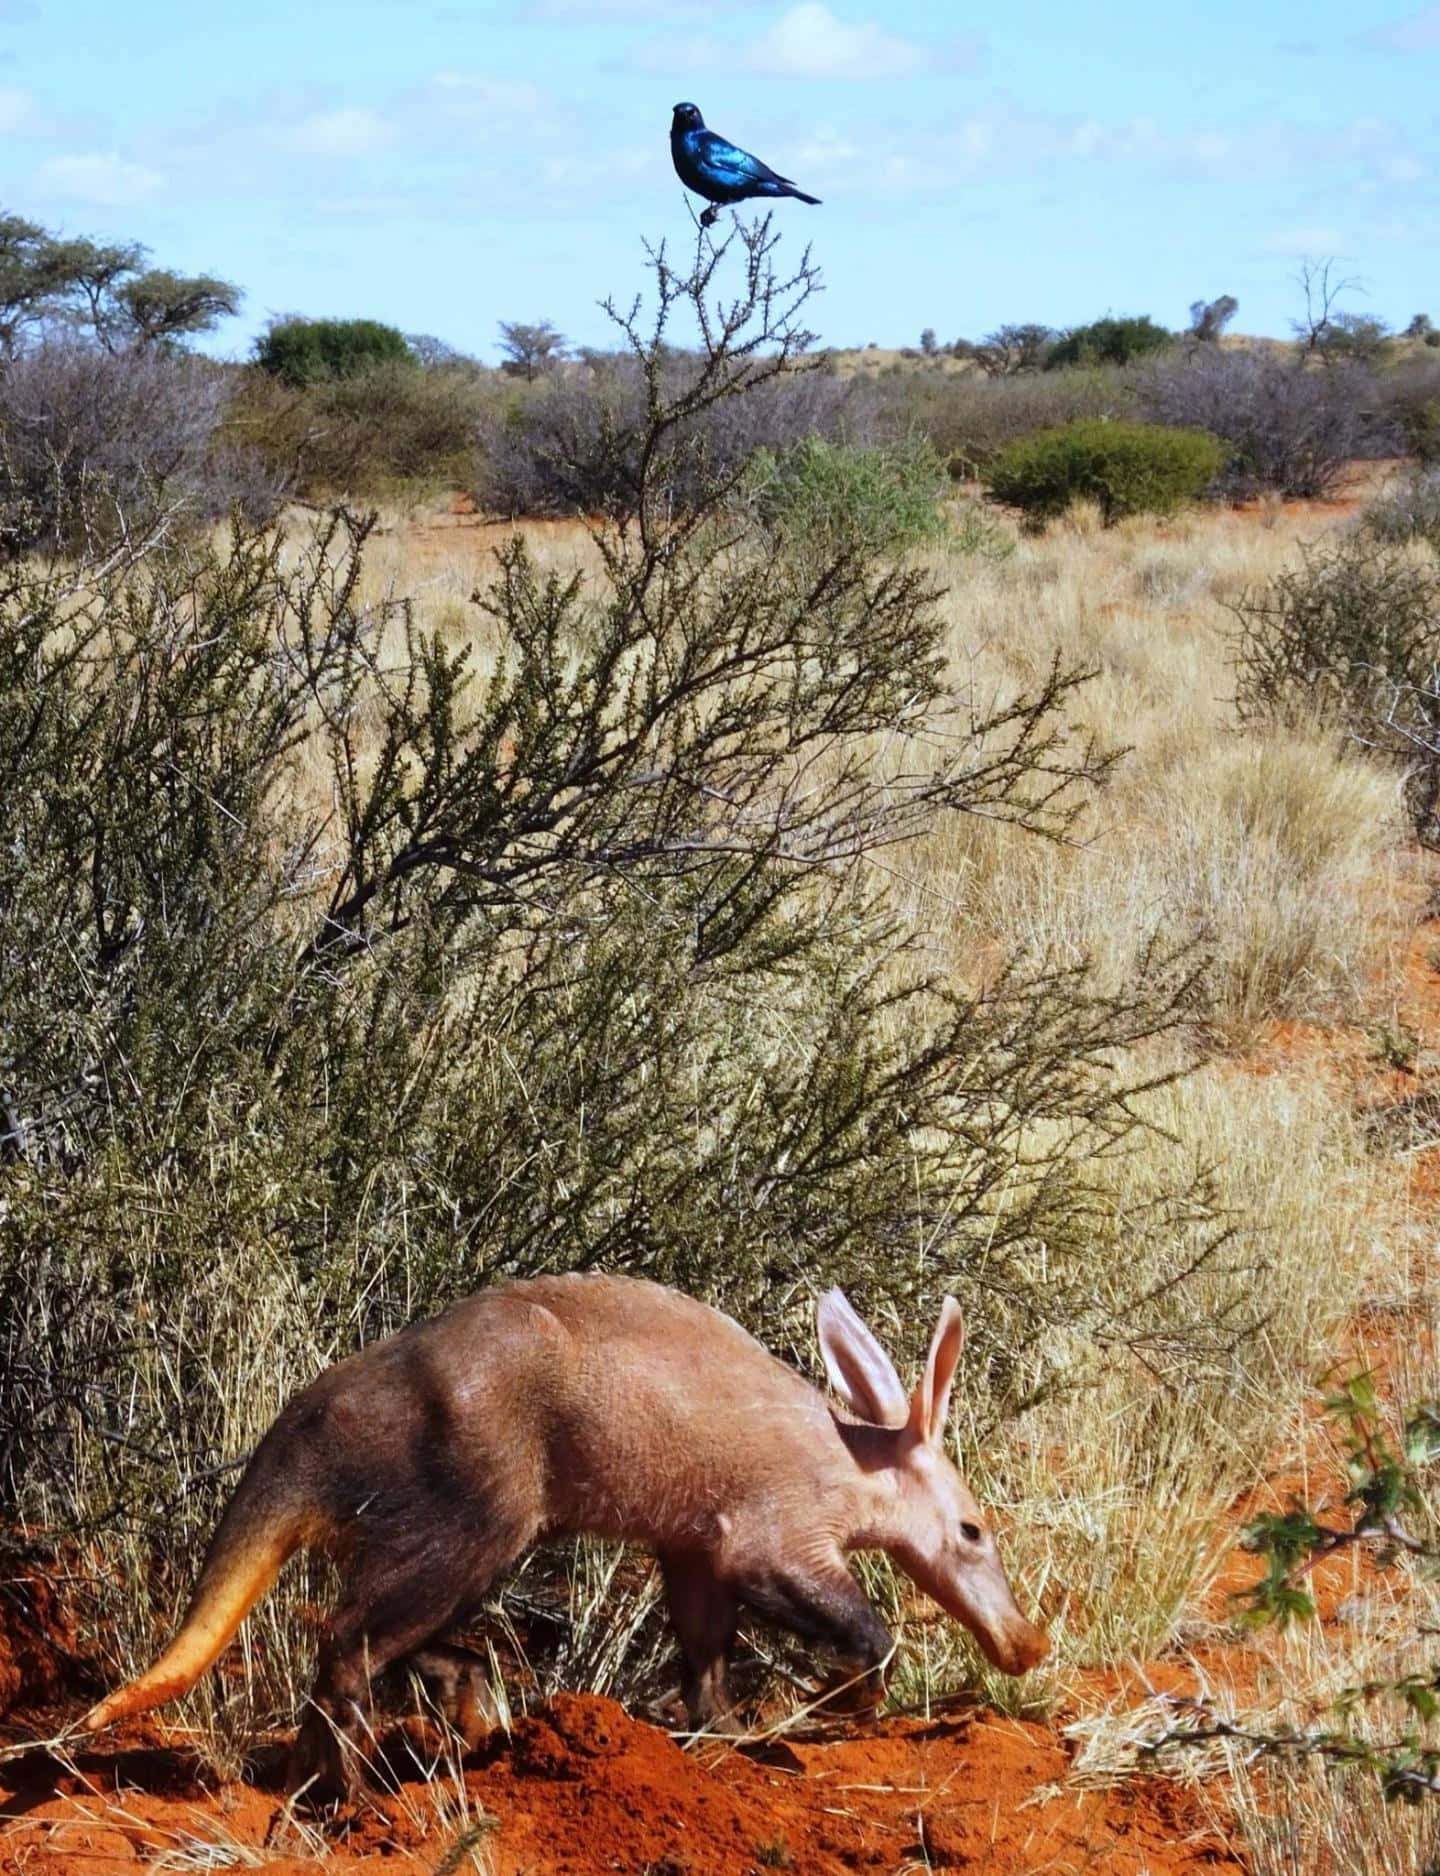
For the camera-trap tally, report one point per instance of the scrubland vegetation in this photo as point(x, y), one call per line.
point(798, 876)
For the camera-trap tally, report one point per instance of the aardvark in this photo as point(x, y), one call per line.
point(428, 1463)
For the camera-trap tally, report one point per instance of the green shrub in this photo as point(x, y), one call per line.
point(875, 500)
point(303, 351)
point(1108, 341)
point(1128, 468)
point(1356, 617)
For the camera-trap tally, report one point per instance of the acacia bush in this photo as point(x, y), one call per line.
point(1108, 341)
point(1291, 430)
point(1128, 468)
point(1410, 397)
point(1409, 510)
point(346, 972)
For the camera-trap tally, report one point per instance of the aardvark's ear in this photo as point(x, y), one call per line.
point(929, 1407)
point(860, 1371)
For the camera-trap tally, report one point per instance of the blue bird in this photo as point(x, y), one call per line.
point(717, 170)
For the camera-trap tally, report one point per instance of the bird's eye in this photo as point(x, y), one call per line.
point(971, 1533)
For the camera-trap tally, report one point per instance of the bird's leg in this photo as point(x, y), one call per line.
point(711, 216)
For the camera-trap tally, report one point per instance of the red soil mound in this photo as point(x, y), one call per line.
point(581, 1788)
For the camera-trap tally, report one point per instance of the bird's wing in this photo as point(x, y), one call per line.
point(726, 160)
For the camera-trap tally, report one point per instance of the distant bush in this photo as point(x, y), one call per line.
point(1009, 350)
point(875, 500)
point(1128, 468)
point(1288, 429)
point(97, 446)
point(366, 434)
point(1358, 336)
point(1209, 318)
point(1351, 637)
point(970, 418)
point(1108, 341)
point(573, 444)
point(1410, 397)
point(1408, 511)
point(304, 351)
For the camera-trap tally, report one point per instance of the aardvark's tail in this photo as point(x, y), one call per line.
point(255, 1537)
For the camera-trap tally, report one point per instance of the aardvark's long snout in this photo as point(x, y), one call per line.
point(979, 1595)
point(1014, 1647)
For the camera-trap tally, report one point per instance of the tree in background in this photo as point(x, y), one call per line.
point(1113, 340)
point(105, 293)
point(1009, 350)
point(1209, 318)
point(308, 351)
point(529, 350)
point(1360, 336)
point(1322, 289)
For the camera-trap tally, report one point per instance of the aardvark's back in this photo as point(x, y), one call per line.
point(656, 1414)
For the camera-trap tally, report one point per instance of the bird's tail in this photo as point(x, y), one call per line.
point(800, 196)
point(262, 1526)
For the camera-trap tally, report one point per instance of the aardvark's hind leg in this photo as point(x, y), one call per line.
point(397, 1603)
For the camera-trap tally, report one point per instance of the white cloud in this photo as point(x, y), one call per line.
point(810, 42)
point(488, 100)
point(107, 180)
point(1419, 33)
point(352, 131)
point(621, 10)
point(1303, 241)
point(14, 108)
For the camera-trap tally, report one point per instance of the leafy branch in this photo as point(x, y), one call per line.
point(1387, 1498)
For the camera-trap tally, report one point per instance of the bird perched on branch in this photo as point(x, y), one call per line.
point(717, 170)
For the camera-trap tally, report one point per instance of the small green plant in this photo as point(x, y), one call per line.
point(1128, 468)
point(1390, 1515)
point(876, 500)
point(774, 1854)
point(975, 533)
point(305, 351)
point(1398, 1046)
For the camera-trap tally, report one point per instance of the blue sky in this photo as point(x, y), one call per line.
point(446, 166)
